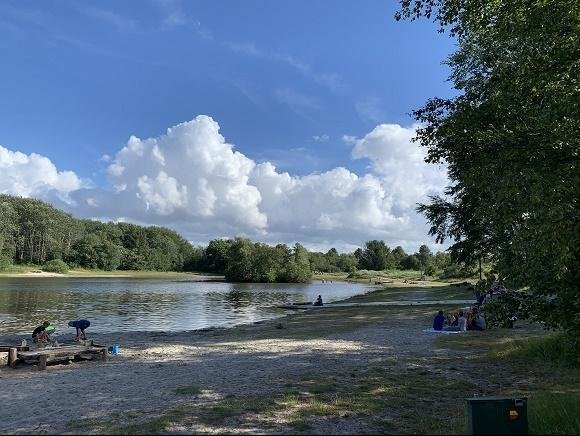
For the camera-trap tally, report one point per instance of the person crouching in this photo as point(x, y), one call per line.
point(81, 325)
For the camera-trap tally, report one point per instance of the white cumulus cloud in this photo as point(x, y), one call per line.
point(33, 175)
point(191, 179)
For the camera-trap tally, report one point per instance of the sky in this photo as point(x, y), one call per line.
point(277, 121)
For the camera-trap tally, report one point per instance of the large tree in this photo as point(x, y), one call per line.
point(510, 140)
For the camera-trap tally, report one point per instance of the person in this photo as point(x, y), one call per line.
point(39, 334)
point(479, 322)
point(318, 301)
point(438, 321)
point(462, 322)
point(81, 325)
point(451, 320)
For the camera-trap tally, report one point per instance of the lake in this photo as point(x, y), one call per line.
point(126, 304)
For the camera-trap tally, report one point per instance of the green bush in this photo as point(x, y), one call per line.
point(55, 266)
point(5, 263)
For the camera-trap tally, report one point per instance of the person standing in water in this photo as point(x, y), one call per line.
point(81, 325)
point(318, 301)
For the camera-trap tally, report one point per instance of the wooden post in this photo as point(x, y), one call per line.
point(12, 357)
point(42, 362)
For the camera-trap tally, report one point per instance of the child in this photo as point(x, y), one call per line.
point(39, 335)
point(81, 325)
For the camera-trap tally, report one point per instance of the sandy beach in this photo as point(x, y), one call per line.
point(332, 371)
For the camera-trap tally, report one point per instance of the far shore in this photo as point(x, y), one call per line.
point(87, 273)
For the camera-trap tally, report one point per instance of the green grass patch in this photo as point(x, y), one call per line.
point(233, 406)
point(189, 390)
point(556, 349)
point(550, 413)
point(84, 423)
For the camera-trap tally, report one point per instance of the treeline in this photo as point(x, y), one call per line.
point(242, 260)
point(32, 231)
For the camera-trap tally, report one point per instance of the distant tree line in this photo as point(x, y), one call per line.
point(34, 232)
point(242, 260)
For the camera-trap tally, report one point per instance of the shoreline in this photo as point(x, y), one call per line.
point(341, 370)
point(193, 276)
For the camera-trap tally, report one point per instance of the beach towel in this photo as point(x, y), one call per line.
point(432, 330)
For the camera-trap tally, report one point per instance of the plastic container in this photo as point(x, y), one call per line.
point(115, 350)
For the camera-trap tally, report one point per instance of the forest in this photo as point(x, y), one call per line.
point(35, 232)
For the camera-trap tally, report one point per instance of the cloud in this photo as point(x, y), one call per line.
point(321, 138)
point(400, 163)
point(191, 179)
point(34, 175)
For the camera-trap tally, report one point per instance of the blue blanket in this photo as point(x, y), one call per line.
point(431, 330)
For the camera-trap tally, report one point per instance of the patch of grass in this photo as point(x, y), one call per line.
point(377, 390)
point(550, 413)
point(156, 425)
point(557, 349)
point(189, 390)
point(232, 406)
point(84, 423)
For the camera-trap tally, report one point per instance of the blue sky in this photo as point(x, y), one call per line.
point(284, 80)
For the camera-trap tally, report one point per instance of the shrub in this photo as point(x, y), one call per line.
point(5, 263)
point(56, 266)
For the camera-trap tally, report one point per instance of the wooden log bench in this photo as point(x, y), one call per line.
point(42, 356)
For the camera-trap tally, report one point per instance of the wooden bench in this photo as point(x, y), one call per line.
point(42, 356)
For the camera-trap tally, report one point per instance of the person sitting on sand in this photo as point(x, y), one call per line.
point(81, 325)
point(318, 301)
point(479, 322)
point(450, 320)
point(438, 321)
point(462, 322)
point(39, 334)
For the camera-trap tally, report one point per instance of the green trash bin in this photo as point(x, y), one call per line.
point(497, 415)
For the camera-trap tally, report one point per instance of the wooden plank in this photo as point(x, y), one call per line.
point(6, 348)
point(12, 357)
point(71, 349)
point(42, 362)
point(60, 352)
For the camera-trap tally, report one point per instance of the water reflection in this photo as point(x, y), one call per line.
point(136, 304)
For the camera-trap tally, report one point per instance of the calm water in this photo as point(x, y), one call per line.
point(121, 304)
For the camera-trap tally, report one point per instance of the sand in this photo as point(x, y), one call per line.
point(152, 365)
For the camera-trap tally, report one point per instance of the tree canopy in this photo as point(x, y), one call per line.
point(510, 141)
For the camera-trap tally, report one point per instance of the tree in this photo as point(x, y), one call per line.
point(424, 256)
point(510, 140)
point(374, 256)
point(216, 256)
point(240, 261)
point(397, 256)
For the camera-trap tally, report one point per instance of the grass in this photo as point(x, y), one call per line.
point(550, 413)
point(189, 390)
point(430, 291)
